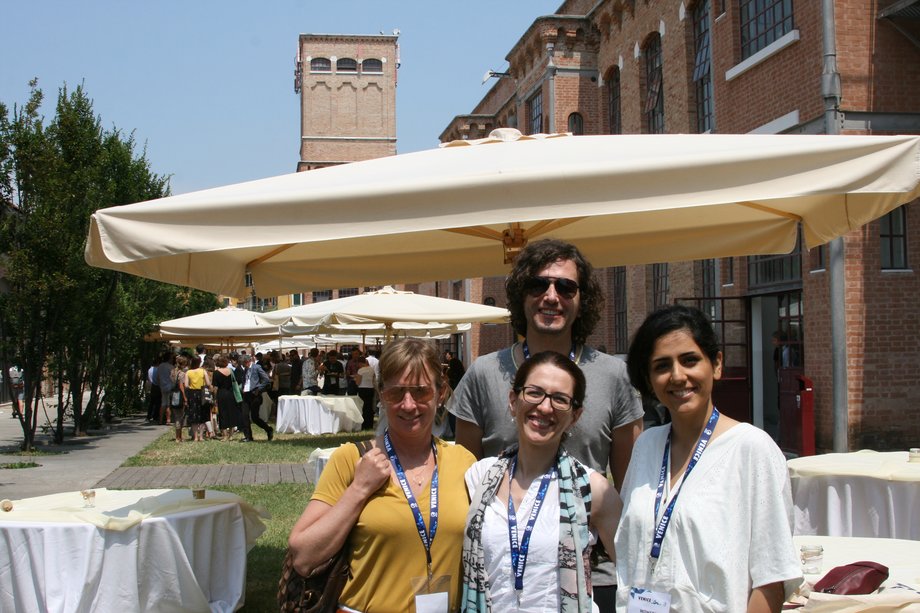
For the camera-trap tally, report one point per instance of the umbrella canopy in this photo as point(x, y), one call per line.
point(222, 324)
point(464, 211)
point(384, 310)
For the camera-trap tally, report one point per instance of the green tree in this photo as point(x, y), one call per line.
point(64, 321)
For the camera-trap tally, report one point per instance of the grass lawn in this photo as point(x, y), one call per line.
point(284, 501)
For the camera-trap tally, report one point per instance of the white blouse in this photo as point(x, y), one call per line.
point(541, 575)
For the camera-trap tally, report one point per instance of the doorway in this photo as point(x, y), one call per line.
point(776, 356)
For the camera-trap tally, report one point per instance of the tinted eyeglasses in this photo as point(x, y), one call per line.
point(532, 394)
point(393, 394)
point(537, 286)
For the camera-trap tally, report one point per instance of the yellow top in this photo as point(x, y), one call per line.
point(195, 378)
point(386, 550)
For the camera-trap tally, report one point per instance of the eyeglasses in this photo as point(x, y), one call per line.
point(395, 393)
point(535, 395)
point(537, 286)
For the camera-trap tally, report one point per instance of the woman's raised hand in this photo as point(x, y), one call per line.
point(371, 472)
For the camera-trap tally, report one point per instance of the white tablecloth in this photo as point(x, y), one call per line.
point(319, 414)
point(901, 592)
point(137, 550)
point(865, 493)
point(317, 462)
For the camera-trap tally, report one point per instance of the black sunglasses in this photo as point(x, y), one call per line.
point(537, 286)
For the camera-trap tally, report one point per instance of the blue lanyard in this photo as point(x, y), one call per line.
point(662, 528)
point(519, 552)
point(526, 351)
point(426, 536)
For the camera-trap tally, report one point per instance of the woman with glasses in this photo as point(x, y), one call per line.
point(535, 509)
point(707, 506)
point(401, 507)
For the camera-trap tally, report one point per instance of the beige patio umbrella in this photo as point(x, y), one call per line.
point(464, 211)
point(227, 326)
point(386, 310)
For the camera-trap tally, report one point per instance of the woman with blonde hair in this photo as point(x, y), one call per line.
point(401, 507)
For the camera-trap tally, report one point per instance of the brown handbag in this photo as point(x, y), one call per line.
point(855, 578)
point(319, 591)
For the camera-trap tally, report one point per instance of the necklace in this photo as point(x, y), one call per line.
point(418, 471)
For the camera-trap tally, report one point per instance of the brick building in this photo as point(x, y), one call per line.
point(347, 87)
point(741, 66)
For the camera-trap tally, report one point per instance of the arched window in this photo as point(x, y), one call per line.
point(613, 101)
point(372, 65)
point(320, 64)
point(576, 124)
point(654, 92)
point(346, 64)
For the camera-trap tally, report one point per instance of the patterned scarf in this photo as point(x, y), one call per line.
point(574, 513)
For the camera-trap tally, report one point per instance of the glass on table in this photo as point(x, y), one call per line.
point(812, 559)
point(89, 498)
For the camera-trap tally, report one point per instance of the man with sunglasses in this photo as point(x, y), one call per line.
point(555, 303)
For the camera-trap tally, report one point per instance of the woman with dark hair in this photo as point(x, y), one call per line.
point(401, 506)
point(229, 412)
point(544, 566)
point(726, 543)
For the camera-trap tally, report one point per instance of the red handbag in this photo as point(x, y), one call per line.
point(855, 578)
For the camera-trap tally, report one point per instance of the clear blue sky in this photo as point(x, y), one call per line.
point(208, 85)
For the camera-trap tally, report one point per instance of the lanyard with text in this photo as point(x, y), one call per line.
point(705, 435)
point(519, 552)
point(526, 350)
point(426, 536)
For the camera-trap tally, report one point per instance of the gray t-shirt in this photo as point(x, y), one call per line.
point(610, 402)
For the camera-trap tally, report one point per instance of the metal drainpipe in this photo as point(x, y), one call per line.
point(551, 78)
point(831, 91)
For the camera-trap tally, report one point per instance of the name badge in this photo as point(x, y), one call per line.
point(648, 601)
point(431, 603)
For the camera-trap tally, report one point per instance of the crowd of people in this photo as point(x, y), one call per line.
point(216, 395)
point(520, 514)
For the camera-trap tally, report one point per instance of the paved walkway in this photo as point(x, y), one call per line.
point(95, 460)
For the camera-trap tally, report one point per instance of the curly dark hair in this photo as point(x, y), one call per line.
point(536, 256)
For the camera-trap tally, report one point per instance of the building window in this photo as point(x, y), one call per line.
point(371, 288)
point(654, 95)
point(346, 64)
point(709, 288)
point(701, 66)
point(620, 326)
point(320, 64)
point(576, 124)
point(613, 101)
point(767, 270)
point(762, 22)
point(729, 271)
point(893, 239)
point(348, 291)
point(819, 258)
point(296, 299)
point(322, 295)
point(661, 287)
point(535, 113)
point(372, 65)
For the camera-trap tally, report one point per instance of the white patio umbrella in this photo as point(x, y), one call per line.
point(386, 311)
point(464, 211)
point(227, 325)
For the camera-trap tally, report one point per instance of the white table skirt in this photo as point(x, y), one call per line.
point(163, 552)
point(900, 592)
point(863, 494)
point(317, 462)
point(319, 414)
